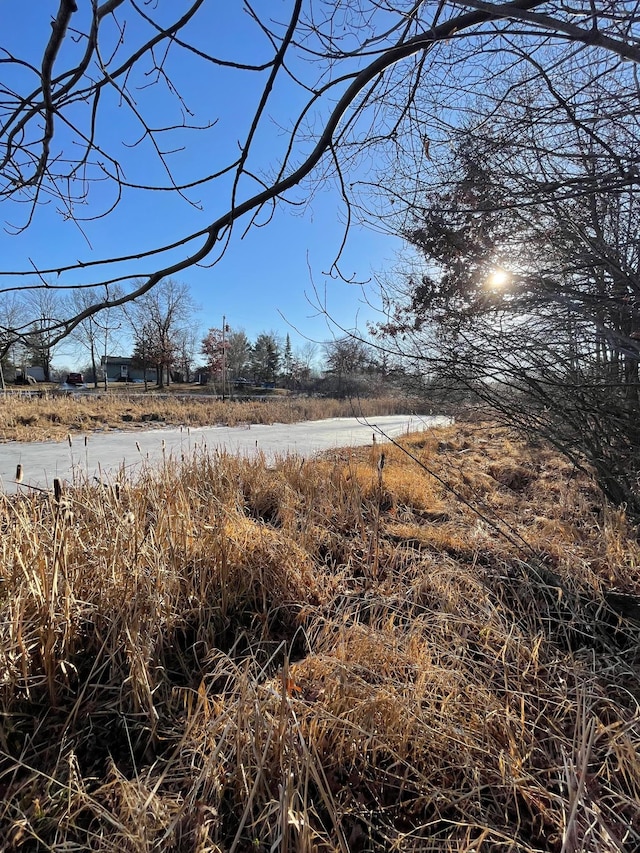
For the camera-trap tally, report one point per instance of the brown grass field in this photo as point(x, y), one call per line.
point(54, 416)
point(441, 653)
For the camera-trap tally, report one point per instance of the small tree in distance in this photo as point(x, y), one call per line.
point(348, 362)
point(95, 333)
point(265, 358)
point(159, 321)
point(238, 354)
point(212, 350)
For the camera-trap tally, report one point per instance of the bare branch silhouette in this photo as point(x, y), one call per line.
point(355, 71)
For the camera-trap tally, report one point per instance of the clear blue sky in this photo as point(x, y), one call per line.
point(266, 273)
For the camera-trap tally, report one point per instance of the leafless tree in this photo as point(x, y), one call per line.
point(11, 313)
point(187, 348)
point(160, 322)
point(530, 291)
point(354, 69)
point(44, 307)
point(96, 333)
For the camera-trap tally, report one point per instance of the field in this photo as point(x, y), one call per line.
point(54, 416)
point(435, 649)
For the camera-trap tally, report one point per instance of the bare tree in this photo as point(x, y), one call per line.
point(96, 333)
point(530, 292)
point(44, 307)
point(354, 70)
point(11, 313)
point(159, 322)
point(307, 356)
point(187, 343)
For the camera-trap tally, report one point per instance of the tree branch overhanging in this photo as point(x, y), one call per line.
point(417, 34)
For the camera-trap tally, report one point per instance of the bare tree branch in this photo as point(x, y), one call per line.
point(362, 67)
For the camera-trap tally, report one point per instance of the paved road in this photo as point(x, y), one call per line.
point(102, 454)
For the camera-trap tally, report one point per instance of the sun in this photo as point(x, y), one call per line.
point(498, 279)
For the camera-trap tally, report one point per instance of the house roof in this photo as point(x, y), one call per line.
point(115, 360)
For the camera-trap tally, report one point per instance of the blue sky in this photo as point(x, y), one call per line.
point(269, 273)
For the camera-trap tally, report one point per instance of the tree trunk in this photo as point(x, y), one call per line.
point(93, 364)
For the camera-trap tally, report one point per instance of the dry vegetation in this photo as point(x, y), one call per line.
point(53, 416)
point(327, 655)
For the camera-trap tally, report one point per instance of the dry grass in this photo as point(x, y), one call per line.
point(53, 416)
point(324, 655)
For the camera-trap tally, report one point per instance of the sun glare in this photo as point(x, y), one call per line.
point(498, 279)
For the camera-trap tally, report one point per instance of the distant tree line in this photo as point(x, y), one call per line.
point(343, 367)
point(158, 332)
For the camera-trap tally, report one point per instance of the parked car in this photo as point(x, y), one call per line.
point(75, 379)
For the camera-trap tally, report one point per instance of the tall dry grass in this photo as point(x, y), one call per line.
point(53, 416)
point(328, 655)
